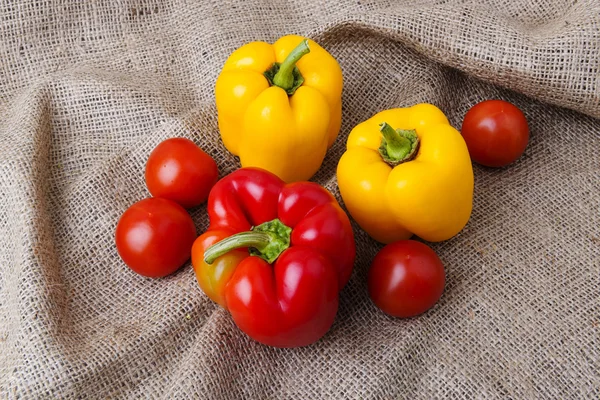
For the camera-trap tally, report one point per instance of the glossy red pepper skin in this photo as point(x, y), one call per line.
point(293, 301)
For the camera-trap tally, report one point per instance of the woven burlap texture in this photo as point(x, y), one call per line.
point(88, 88)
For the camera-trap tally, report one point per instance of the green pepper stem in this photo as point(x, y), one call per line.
point(284, 78)
point(257, 240)
point(267, 241)
point(397, 146)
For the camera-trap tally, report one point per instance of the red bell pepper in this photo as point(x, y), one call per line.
point(275, 256)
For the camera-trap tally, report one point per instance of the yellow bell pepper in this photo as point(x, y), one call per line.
point(415, 179)
point(279, 106)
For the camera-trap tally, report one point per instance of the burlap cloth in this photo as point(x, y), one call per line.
point(88, 88)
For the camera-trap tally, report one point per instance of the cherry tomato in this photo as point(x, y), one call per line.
point(496, 133)
point(179, 170)
point(154, 237)
point(406, 278)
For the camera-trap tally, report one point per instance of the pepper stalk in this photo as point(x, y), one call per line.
point(267, 241)
point(398, 145)
point(287, 75)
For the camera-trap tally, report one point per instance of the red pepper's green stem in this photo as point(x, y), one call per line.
point(398, 146)
point(257, 240)
point(284, 78)
point(267, 241)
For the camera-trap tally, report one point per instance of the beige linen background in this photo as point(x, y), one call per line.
point(88, 88)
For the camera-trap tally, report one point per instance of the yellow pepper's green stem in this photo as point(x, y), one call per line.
point(267, 240)
point(286, 75)
point(397, 146)
point(284, 78)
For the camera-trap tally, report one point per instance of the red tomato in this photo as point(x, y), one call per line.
point(496, 133)
point(406, 278)
point(179, 170)
point(154, 237)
